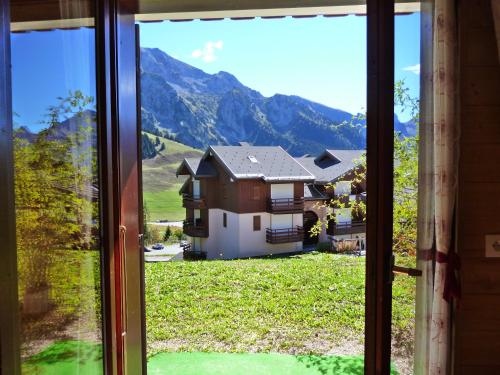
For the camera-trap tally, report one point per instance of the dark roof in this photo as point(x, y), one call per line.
point(331, 164)
point(270, 163)
point(197, 167)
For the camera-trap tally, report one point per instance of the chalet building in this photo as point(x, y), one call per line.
point(248, 200)
point(334, 172)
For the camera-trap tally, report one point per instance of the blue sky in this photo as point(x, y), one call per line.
point(321, 59)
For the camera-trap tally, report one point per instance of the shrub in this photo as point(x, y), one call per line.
point(346, 246)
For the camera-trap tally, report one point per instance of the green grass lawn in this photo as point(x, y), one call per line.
point(302, 304)
point(161, 185)
point(281, 315)
point(165, 205)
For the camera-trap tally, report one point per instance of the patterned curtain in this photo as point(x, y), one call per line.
point(437, 189)
point(495, 4)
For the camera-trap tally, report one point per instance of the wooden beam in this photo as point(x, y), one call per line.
point(380, 145)
point(9, 316)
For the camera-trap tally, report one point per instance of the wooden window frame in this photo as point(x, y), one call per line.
point(115, 35)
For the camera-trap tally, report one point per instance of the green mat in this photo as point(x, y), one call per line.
point(249, 363)
point(84, 358)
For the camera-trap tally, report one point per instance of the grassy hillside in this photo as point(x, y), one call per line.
point(160, 185)
point(303, 304)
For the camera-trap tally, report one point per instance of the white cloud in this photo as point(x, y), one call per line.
point(207, 53)
point(415, 69)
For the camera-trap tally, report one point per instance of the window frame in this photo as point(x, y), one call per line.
point(115, 34)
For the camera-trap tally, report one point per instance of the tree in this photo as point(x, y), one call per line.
point(405, 182)
point(148, 147)
point(168, 233)
point(56, 177)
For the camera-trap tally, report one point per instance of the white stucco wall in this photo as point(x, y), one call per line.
point(222, 242)
point(239, 240)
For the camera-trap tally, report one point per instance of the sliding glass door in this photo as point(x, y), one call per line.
point(70, 203)
point(57, 193)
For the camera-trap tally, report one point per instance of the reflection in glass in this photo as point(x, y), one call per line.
point(57, 201)
point(406, 143)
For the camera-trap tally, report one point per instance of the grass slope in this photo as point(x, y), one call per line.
point(165, 205)
point(303, 304)
point(160, 184)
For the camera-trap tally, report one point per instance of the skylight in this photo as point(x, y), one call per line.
point(253, 159)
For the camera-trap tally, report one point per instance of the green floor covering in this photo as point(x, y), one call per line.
point(74, 357)
point(249, 363)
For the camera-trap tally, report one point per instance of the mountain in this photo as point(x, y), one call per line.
point(202, 109)
point(199, 109)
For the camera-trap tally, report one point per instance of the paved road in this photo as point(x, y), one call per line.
point(167, 224)
point(169, 252)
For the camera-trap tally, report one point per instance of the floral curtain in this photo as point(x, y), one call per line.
point(437, 188)
point(495, 5)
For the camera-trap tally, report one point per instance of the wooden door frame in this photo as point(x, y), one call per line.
point(380, 180)
point(120, 171)
point(109, 28)
point(380, 146)
point(9, 315)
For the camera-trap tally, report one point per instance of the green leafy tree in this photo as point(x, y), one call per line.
point(55, 186)
point(167, 235)
point(148, 147)
point(405, 182)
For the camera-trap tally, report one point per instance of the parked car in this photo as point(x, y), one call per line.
point(158, 246)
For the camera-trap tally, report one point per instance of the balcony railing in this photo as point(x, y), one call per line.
point(276, 236)
point(189, 201)
point(188, 252)
point(346, 228)
point(285, 205)
point(195, 228)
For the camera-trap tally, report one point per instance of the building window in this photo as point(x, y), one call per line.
point(224, 220)
point(256, 223)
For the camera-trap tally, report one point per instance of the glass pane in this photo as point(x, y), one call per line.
point(243, 119)
point(406, 143)
point(57, 188)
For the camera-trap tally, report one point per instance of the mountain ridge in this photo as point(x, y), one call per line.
point(199, 109)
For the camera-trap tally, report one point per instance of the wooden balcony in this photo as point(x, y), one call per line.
point(285, 205)
point(346, 228)
point(287, 235)
point(195, 228)
point(189, 253)
point(188, 201)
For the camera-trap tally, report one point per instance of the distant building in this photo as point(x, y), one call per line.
point(244, 201)
point(334, 168)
